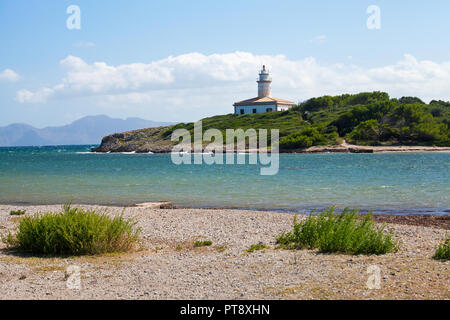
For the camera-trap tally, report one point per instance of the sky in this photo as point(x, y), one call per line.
point(181, 61)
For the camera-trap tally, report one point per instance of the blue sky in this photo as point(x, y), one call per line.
point(183, 60)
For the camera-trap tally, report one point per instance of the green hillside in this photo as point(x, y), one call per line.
point(364, 119)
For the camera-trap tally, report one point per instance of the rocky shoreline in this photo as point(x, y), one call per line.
point(169, 266)
point(105, 148)
point(149, 141)
point(440, 222)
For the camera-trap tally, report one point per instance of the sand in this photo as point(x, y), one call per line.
point(346, 148)
point(168, 266)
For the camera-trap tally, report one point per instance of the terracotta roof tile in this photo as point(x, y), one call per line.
point(263, 100)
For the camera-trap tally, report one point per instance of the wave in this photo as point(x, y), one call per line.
point(109, 152)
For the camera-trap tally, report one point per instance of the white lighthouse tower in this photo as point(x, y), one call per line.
point(263, 102)
point(264, 83)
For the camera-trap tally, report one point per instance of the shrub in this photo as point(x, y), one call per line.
point(17, 213)
point(330, 103)
point(305, 138)
point(343, 233)
point(443, 252)
point(257, 247)
point(205, 243)
point(367, 131)
point(75, 232)
point(436, 112)
point(410, 100)
point(316, 104)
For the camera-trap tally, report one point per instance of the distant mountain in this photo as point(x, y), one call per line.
point(87, 130)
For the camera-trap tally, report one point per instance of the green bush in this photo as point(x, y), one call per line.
point(295, 141)
point(257, 247)
point(410, 100)
point(17, 212)
point(336, 102)
point(74, 232)
point(305, 138)
point(367, 131)
point(443, 252)
point(395, 122)
point(343, 233)
point(205, 243)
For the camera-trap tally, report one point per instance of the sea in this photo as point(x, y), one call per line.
point(394, 183)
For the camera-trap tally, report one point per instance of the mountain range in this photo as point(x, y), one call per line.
point(87, 130)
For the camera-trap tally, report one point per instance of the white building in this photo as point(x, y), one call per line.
point(263, 102)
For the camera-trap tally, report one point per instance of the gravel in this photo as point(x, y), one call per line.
point(168, 266)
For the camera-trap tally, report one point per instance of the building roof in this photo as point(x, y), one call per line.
point(263, 100)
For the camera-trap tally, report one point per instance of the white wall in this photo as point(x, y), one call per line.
point(283, 108)
point(259, 109)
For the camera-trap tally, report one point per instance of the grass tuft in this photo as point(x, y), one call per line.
point(220, 248)
point(443, 252)
point(257, 247)
point(342, 233)
point(205, 243)
point(17, 212)
point(74, 232)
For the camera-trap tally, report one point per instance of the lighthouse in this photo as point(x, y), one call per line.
point(263, 102)
point(264, 83)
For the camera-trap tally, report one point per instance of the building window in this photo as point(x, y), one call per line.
point(242, 111)
point(269, 110)
point(254, 110)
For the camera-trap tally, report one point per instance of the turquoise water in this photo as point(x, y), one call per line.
point(395, 183)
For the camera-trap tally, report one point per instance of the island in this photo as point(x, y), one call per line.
point(361, 123)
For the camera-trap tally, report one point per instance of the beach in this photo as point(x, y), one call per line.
point(352, 148)
point(168, 266)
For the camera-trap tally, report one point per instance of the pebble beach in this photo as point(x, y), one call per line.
point(168, 266)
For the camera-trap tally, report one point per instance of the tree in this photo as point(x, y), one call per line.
point(369, 130)
point(410, 100)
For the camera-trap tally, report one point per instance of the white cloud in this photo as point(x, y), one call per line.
point(213, 82)
point(9, 75)
point(34, 97)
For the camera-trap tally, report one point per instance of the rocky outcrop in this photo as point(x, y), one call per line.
point(318, 149)
point(360, 150)
point(109, 143)
point(140, 141)
point(155, 205)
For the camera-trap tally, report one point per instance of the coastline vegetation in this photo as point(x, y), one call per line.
point(257, 247)
point(443, 252)
point(73, 232)
point(345, 233)
point(367, 118)
point(17, 212)
point(372, 118)
point(205, 243)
